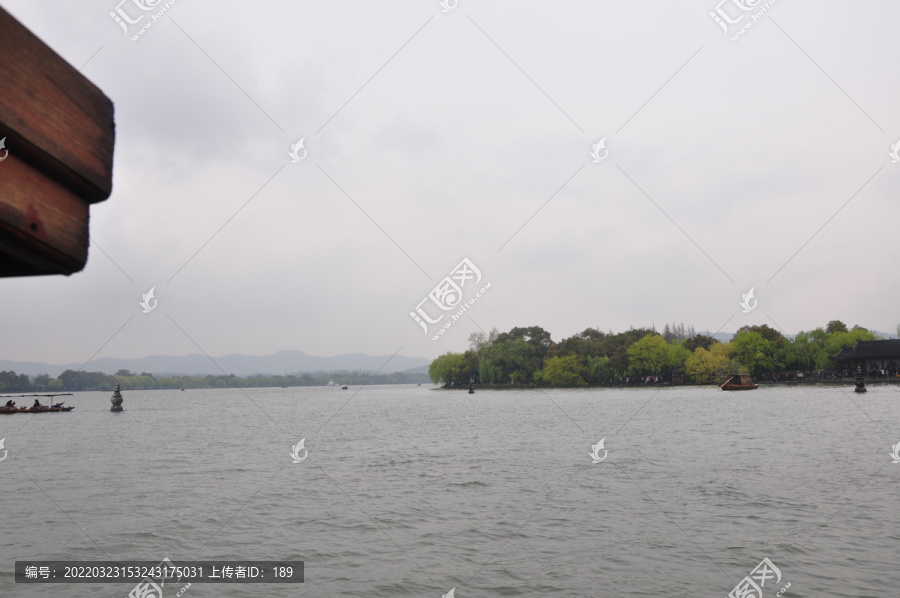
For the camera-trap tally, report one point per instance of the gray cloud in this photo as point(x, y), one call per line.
point(450, 148)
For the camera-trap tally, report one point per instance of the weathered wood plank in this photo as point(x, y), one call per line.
point(43, 225)
point(59, 133)
point(52, 116)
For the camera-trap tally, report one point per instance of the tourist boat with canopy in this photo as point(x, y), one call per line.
point(51, 408)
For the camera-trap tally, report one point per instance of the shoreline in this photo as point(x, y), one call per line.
point(833, 382)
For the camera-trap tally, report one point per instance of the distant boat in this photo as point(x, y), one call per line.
point(52, 408)
point(331, 383)
point(344, 387)
point(739, 382)
point(42, 409)
point(182, 389)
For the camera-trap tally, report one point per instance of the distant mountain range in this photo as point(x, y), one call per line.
point(283, 362)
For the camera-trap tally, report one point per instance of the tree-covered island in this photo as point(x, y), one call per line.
point(528, 356)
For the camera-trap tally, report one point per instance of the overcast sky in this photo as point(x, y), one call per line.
point(434, 136)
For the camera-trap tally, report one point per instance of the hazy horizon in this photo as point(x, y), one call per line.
point(389, 359)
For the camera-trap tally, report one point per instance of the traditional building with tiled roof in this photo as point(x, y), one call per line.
point(872, 354)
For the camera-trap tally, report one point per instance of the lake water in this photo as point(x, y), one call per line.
point(409, 491)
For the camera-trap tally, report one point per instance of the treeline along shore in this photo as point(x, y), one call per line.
point(528, 357)
point(79, 380)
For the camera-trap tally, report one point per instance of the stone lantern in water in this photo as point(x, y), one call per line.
point(116, 399)
point(860, 380)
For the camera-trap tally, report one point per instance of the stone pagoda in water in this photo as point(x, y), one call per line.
point(116, 399)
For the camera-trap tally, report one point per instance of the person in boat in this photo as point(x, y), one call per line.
point(10, 404)
point(37, 403)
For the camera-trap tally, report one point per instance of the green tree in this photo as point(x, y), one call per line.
point(847, 339)
point(835, 326)
point(81, 380)
point(480, 340)
point(454, 368)
point(12, 382)
point(599, 369)
point(648, 356)
point(520, 350)
point(807, 351)
point(710, 365)
point(587, 342)
point(767, 332)
point(756, 353)
point(562, 371)
point(440, 369)
point(676, 356)
point(700, 340)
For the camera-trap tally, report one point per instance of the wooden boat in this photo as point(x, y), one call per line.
point(41, 409)
point(52, 408)
point(739, 382)
point(48, 409)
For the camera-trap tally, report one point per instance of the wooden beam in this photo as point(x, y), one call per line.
point(59, 132)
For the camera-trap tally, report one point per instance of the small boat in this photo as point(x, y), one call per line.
point(344, 387)
point(331, 383)
point(52, 408)
point(41, 409)
point(739, 382)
